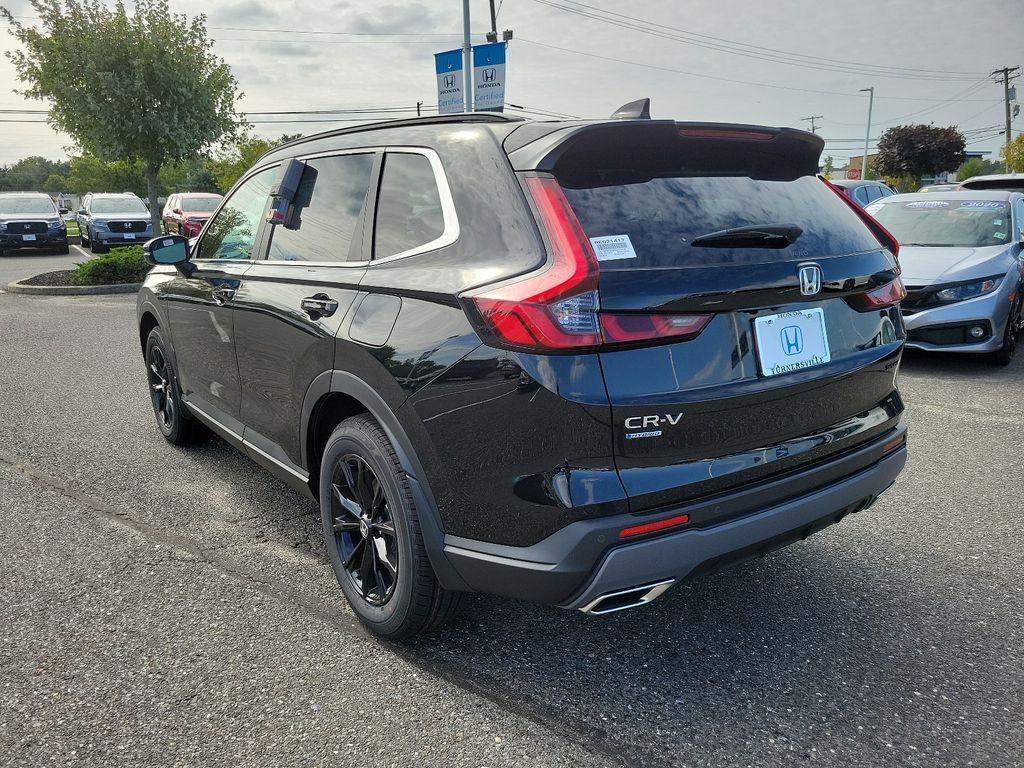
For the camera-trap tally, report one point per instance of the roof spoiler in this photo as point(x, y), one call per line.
point(634, 110)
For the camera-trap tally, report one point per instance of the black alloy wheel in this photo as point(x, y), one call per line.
point(160, 388)
point(364, 529)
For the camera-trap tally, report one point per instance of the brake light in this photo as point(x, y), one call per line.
point(559, 309)
point(879, 298)
point(725, 133)
point(657, 525)
point(883, 235)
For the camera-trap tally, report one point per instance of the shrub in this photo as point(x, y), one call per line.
point(121, 265)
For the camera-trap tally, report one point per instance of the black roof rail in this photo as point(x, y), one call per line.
point(460, 117)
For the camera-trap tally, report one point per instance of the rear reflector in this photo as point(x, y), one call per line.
point(879, 298)
point(657, 525)
point(883, 235)
point(895, 443)
point(558, 309)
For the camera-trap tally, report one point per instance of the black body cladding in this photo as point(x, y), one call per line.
point(513, 450)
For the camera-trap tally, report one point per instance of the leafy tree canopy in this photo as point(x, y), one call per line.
point(30, 174)
point(228, 168)
point(976, 166)
point(919, 150)
point(1013, 154)
point(134, 87)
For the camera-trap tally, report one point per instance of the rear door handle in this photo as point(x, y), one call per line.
point(223, 294)
point(319, 305)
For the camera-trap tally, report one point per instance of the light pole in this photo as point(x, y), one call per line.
point(467, 54)
point(867, 134)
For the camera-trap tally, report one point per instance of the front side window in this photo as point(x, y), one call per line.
point(231, 234)
point(409, 211)
point(325, 212)
point(860, 194)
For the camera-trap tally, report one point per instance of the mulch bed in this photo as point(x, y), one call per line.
point(60, 277)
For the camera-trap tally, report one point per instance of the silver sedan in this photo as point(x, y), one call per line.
point(961, 255)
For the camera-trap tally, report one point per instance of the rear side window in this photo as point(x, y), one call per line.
point(660, 217)
point(326, 210)
point(874, 192)
point(409, 210)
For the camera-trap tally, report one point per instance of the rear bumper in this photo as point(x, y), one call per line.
point(581, 562)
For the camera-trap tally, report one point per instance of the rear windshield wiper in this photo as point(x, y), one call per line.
point(771, 236)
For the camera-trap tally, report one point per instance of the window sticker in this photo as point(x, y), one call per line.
point(613, 247)
point(999, 235)
point(927, 204)
point(982, 204)
point(997, 223)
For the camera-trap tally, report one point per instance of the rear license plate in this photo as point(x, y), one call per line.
point(129, 235)
point(791, 341)
point(28, 238)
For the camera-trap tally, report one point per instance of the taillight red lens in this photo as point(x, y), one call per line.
point(556, 309)
point(559, 309)
point(657, 525)
point(883, 235)
point(625, 329)
point(879, 298)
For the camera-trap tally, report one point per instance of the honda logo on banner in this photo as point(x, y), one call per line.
point(489, 77)
point(451, 97)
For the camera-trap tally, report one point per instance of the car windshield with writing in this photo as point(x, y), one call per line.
point(946, 223)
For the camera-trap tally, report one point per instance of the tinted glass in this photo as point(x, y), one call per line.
point(231, 234)
point(661, 216)
point(874, 192)
point(39, 206)
point(886, 192)
point(198, 204)
point(408, 206)
point(860, 194)
point(118, 205)
point(326, 210)
point(969, 223)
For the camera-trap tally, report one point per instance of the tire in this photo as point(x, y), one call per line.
point(98, 248)
point(176, 425)
point(380, 561)
point(1004, 355)
point(83, 234)
point(64, 250)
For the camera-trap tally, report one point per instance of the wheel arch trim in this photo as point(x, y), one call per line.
point(431, 528)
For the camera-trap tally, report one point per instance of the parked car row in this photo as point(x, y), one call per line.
point(112, 219)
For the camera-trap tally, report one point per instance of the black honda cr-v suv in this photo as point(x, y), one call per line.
point(571, 362)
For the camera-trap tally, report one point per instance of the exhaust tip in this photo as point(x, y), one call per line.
point(622, 599)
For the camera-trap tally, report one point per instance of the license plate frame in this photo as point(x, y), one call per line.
point(791, 341)
point(28, 238)
point(129, 235)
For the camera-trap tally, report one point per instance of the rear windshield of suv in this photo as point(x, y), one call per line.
point(650, 223)
point(118, 205)
point(36, 206)
point(945, 223)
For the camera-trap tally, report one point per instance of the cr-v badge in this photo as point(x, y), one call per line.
point(650, 425)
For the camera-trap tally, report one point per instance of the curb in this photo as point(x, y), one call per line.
point(72, 290)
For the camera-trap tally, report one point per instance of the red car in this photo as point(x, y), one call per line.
point(186, 212)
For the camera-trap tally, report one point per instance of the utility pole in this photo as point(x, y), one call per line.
point(1006, 72)
point(867, 133)
point(812, 118)
point(467, 57)
point(492, 36)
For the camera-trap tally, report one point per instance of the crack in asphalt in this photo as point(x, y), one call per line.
point(588, 738)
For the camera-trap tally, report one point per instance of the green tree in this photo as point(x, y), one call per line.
point(829, 168)
point(229, 167)
point(89, 173)
point(92, 62)
point(976, 166)
point(55, 184)
point(30, 173)
point(918, 150)
point(1013, 155)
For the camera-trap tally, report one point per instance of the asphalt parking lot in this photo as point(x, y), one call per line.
point(168, 607)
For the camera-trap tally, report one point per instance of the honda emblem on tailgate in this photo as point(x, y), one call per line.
point(810, 279)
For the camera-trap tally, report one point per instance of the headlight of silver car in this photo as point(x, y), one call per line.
point(101, 223)
point(968, 290)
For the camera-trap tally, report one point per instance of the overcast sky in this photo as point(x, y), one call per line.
point(939, 50)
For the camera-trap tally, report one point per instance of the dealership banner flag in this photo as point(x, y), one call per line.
point(489, 77)
point(450, 95)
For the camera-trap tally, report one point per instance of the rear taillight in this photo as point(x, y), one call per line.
point(879, 298)
point(883, 235)
point(559, 309)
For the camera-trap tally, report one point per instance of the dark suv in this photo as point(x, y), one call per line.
point(31, 220)
point(565, 362)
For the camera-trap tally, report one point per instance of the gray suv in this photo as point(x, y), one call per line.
point(113, 219)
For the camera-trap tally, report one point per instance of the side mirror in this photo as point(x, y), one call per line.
point(176, 210)
point(169, 249)
point(81, 211)
point(64, 210)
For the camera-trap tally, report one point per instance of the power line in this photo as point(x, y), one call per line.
point(760, 48)
point(638, 25)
